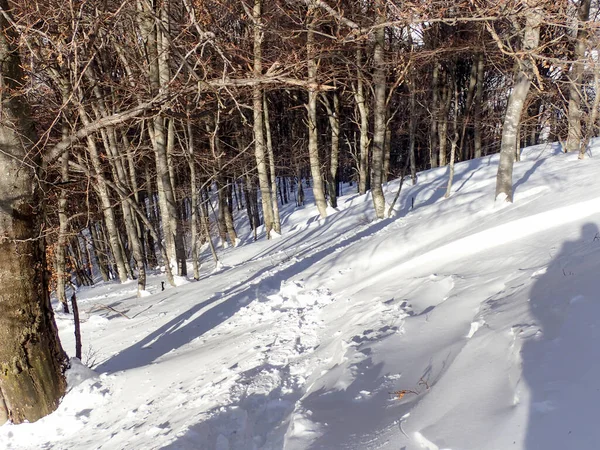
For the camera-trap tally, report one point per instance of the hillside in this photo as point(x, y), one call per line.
point(456, 324)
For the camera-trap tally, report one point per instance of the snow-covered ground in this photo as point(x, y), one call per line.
point(457, 324)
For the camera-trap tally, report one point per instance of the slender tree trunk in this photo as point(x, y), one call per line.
point(259, 133)
point(412, 128)
point(313, 144)
point(333, 113)
point(363, 111)
point(467, 113)
point(454, 142)
point(531, 38)
point(435, 101)
point(194, 200)
point(276, 218)
point(204, 198)
point(120, 176)
point(593, 118)
point(32, 360)
point(63, 222)
point(478, 107)
point(106, 204)
point(99, 252)
point(443, 124)
point(575, 114)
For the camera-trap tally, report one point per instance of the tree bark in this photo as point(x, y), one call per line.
point(313, 144)
point(435, 101)
point(574, 136)
point(32, 360)
point(443, 124)
point(363, 111)
point(276, 218)
point(259, 134)
point(454, 142)
point(478, 101)
point(333, 113)
point(516, 100)
point(379, 115)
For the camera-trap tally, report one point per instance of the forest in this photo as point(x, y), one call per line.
point(133, 134)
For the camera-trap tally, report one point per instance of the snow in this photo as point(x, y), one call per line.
point(457, 324)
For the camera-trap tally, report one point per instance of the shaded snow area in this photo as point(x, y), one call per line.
point(457, 324)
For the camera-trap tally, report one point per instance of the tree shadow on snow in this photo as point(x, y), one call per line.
point(189, 325)
point(560, 364)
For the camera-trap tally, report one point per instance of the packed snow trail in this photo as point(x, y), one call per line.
point(458, 324)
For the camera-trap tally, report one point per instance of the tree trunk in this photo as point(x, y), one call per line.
point(63, 222)
point(194, 200)
point(593, 118)
point(379, 116)
point(313, 144)
point(433, 132)
point(531, 38)
point(412, 128)
point(363, 111)
point(105, 203)
point(276, 218)
point(259, 133)
point(575, 114)
point(333, 113)
point(454, 142)
point(99, 252)
point(32, 360)
point(443, 124)
point(478, 101)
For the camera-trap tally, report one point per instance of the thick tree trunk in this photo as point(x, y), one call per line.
point(32, 360)
point(379, 116)
point(575, 114)
point(313, 144)
point(531, 38)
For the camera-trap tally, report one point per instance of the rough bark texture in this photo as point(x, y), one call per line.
point(313, 144)
point(531, 38)
point(32, 360)
point(575, 114)
point(259, 133)
point(379, 119)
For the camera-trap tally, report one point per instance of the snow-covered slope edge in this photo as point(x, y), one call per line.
point(459, 324)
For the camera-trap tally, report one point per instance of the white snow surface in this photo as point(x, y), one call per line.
point(461, 323)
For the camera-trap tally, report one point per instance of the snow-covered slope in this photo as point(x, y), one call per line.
point(457, 324)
